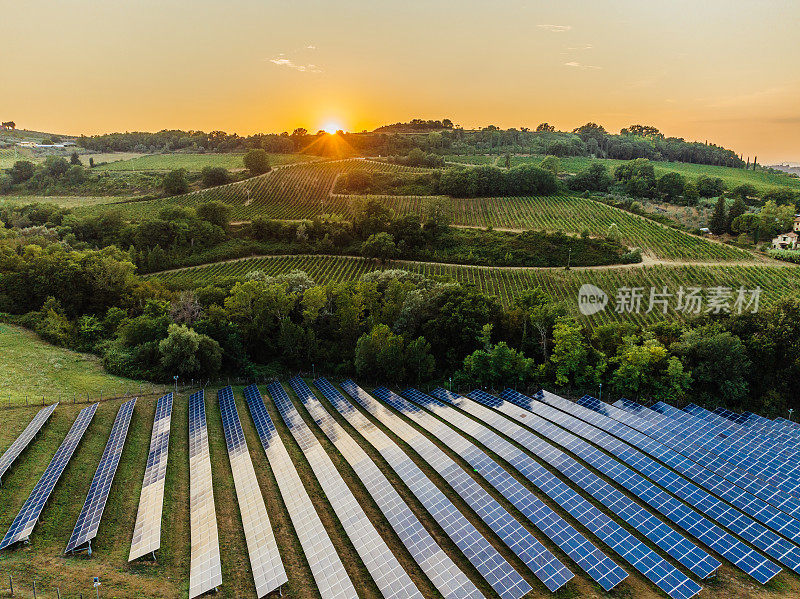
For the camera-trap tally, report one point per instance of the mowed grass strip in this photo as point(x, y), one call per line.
point(190, 162)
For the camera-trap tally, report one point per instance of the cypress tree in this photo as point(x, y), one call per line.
point(718, 223)
point(737, 209)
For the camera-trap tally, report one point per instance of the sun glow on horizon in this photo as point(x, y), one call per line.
point(331, 127)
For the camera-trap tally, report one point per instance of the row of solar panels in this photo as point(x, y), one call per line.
point(710, 475)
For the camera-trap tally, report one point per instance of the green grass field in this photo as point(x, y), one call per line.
point(191, 162)
point(759, 179)
point(63, 201)
point(33, 369)
point(506, 283)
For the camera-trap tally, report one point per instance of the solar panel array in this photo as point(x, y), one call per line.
point(530, 550)
point(326, 566)
point(390, 577)
point(598, 428)
point(20, 443)
point(445, 575)
point(573, 435)
point(205, 571)
point(591, 559)
point(682, 438)
point(502, 577)
point(265, 560)
point(659, 445)
point(89, 519)
point(26, 519)
point(147, 530)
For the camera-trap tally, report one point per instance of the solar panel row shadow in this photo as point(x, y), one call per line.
point(92, 512)
point(437, 565)
point(390, 577)
point(265, 560)
point(500, 575)
point(326, 566)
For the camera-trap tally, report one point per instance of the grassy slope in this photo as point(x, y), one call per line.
point(761, 180)
point(32, 368)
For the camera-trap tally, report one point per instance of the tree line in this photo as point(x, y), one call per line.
point(390, 327)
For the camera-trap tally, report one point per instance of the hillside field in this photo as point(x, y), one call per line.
point(191, 162)
point(759, 179)
point(303, 191)
point(506, 283)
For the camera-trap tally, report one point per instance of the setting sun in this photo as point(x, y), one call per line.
point(331, 127)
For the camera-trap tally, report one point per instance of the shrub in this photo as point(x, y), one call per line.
point(257, 162)
point(213, 176)
point(175, 182)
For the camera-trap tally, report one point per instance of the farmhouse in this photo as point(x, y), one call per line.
point(786, 241)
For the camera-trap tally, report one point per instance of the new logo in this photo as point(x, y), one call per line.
point(591, 299)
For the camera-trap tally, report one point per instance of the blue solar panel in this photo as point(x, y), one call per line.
point(591, 559)
point(683, 438)
point(659, 445)
point(26, 519)
point(539, 560)
point(543, 419)
point(390, 577)
point(446, 576)
point(265, 560)
point(767, 459)
point(326, 566)
point(18, 446)
point(604, 428)
point(694, 558)
point(89, 519)
point(503, 578)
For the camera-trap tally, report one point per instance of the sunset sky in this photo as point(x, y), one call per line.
point(727, 71)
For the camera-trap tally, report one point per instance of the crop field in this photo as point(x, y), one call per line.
point(63, 201)
point(293, 192)
point(761, 180)
point(303, 191)
point(506, 283)
point(8, 156)
point(192, 162)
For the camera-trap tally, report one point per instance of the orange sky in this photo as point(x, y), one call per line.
point(726, 71)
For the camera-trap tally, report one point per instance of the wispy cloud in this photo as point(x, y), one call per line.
point(581, 47)
point(555, 28)
point(579, 65)
point(282, 61)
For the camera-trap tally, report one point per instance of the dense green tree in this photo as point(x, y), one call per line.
point(645, 370)
point(709, 187)
point(214, 175)
point(175, 182)
point(671, 185)
point(737, 209)
point(573, 360)
point(257, 162)
point(22, 171)
point(593, 178)
point(216, 213)
point(379, 246)
point(718, 223)
point(189, 354)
